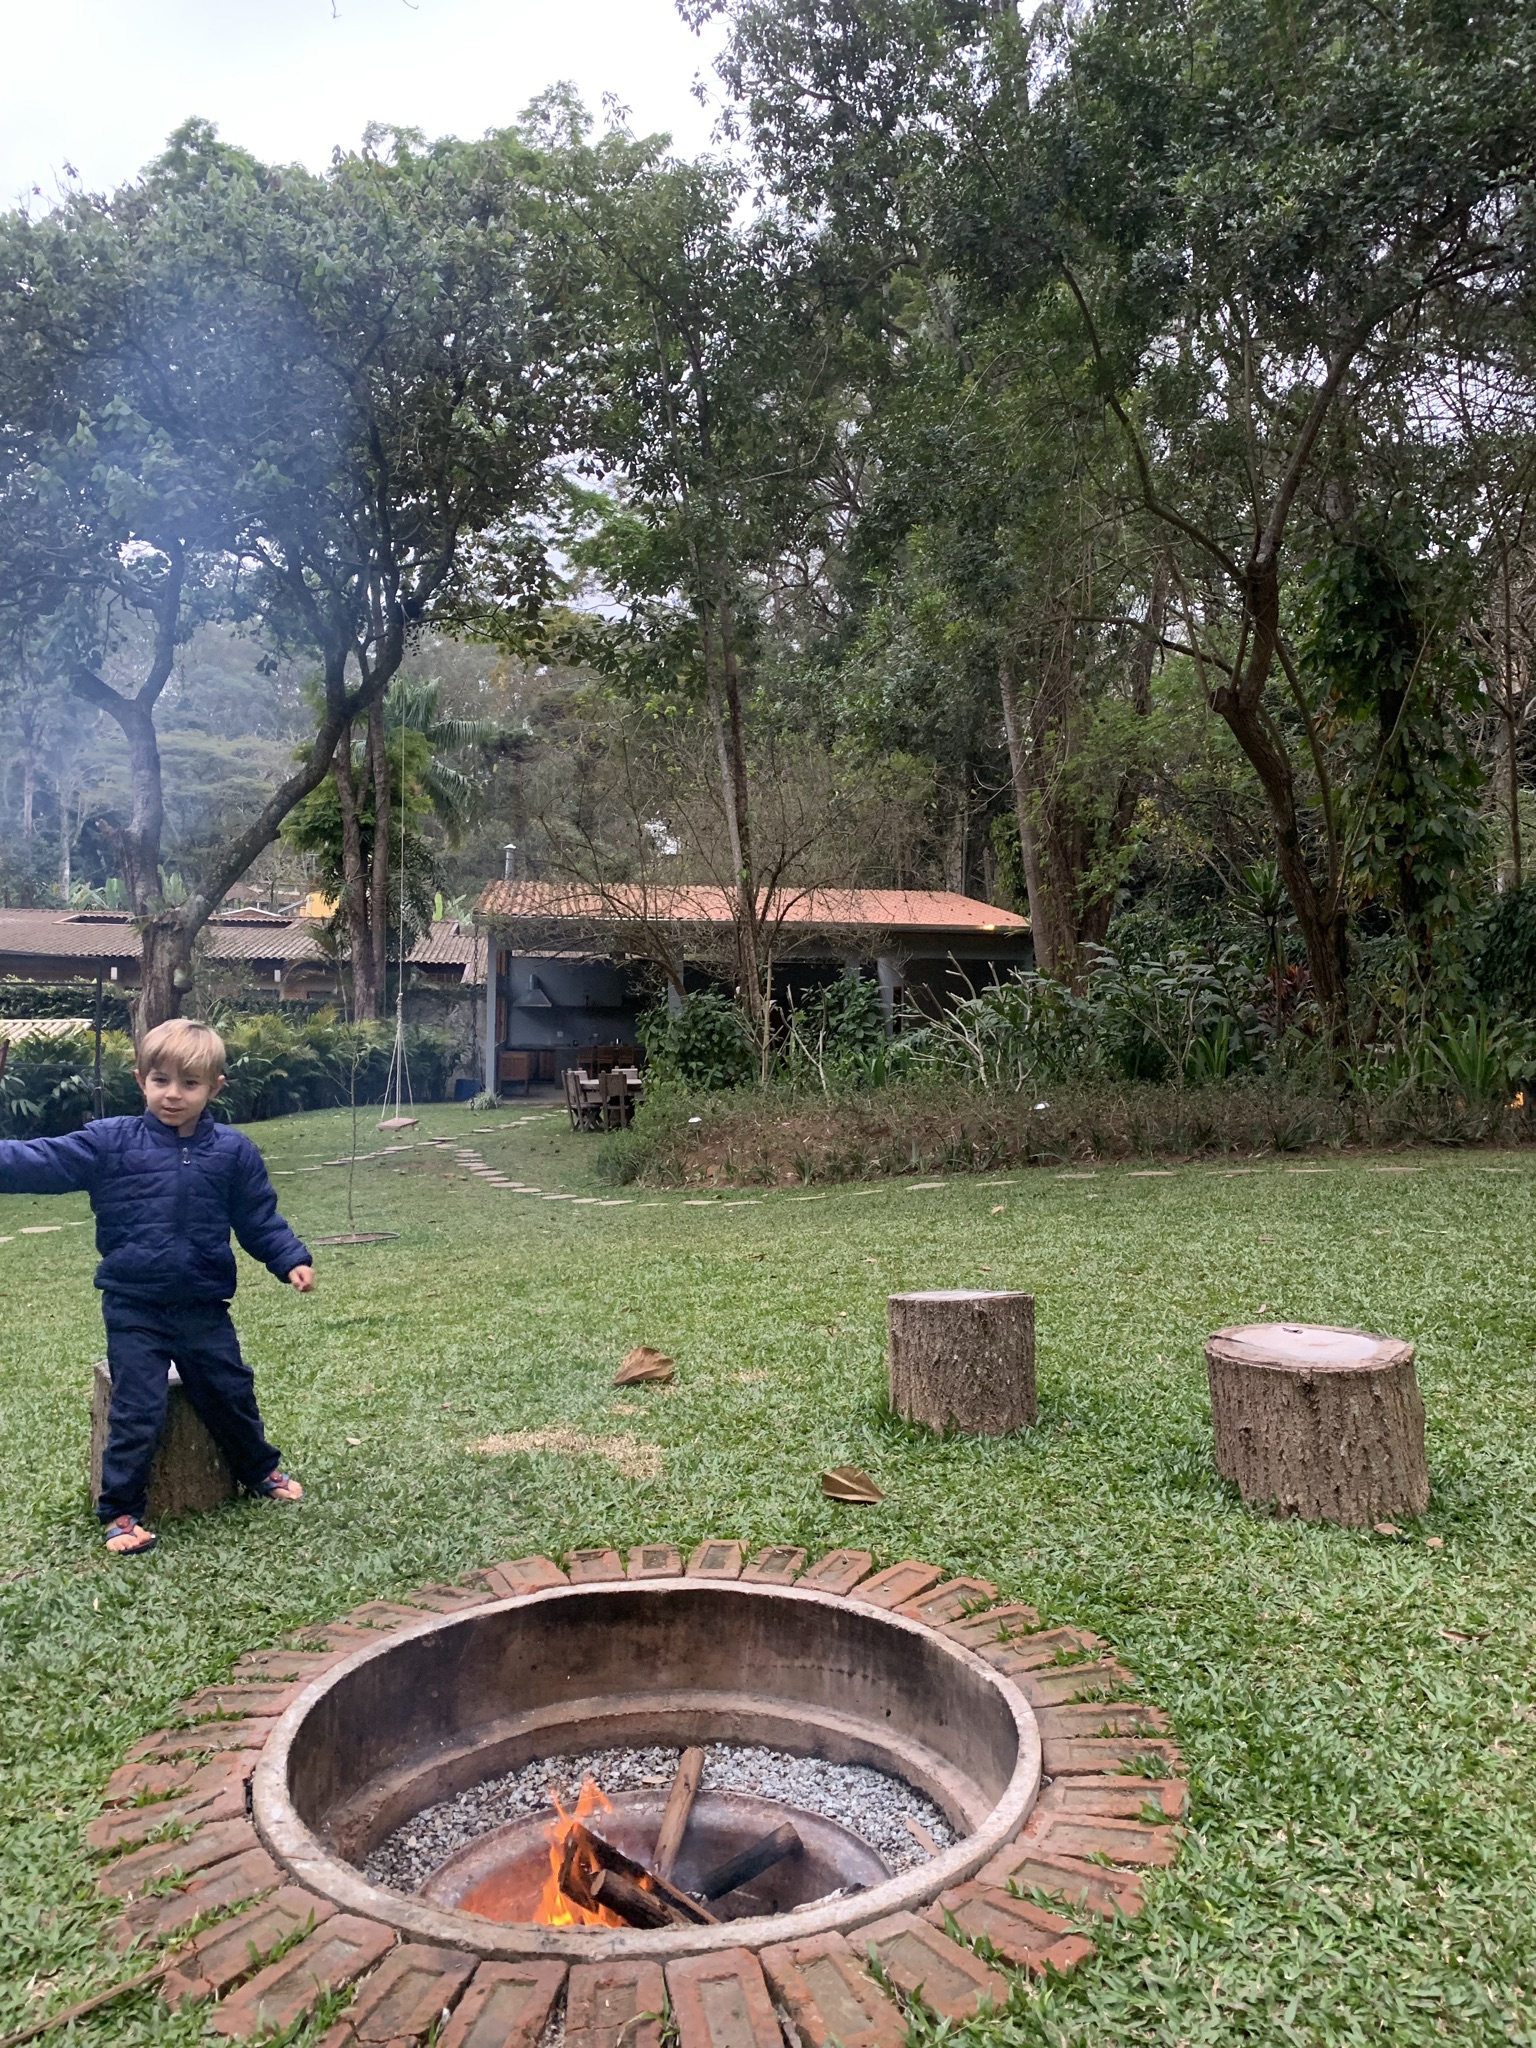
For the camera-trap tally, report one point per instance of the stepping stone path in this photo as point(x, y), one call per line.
point(1109, 1809)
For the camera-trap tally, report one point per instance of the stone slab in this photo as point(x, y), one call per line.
point(207, 1737)
point(721, 2001)
point(1093, 1718)
point(779, 1564)
point(949, 1601)
point(1095, 1840)
point(1056, 1685)
point(1022, 1934)
point(524, 1575)
point(407, 1995)
point(1081, 1756)
point(715, 1559)
point(189, 1774)
point(997, 1625)
point(507, 2005)
point(334, 1956)
point(838, 1572)
point(1049, 1646)
point(239, 1701)
point(222, 1955)
point(262, 1667)
point(604, 1997)
point(594, 1567)
point(1124, 1798)
point(925, 1964)
point(1085, 1887)
point(383, 1614)
point(899, 1583)
point(655, 1561)
point(126, 1827)
point(129, 1875)
point(446, 1599)
point(229, 1883)
point(340, 1636)
point(831, 1998)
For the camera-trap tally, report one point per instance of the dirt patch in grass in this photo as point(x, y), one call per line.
point(626, 1454)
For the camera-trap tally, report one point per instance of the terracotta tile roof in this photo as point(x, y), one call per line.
point(892, 910)
point(109, 936)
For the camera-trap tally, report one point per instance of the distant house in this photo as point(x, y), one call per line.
point(573, 967)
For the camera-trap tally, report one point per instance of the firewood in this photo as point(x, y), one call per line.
point(585, 1854)
point(751, 1862)
point(674, 1821)
point(633, 1903)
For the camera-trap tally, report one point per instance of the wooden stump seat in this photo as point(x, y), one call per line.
point(965, 1357)
point(1318, 1422)
point(189, 1475)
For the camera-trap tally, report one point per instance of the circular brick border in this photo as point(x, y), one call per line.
point(1111, 1798)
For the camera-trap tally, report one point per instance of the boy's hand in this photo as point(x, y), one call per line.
point(303, 1279)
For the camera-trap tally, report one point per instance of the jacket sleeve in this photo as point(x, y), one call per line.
point(260, 1229)
point(49, 1166)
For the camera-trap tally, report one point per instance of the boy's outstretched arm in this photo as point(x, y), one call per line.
point(49, 1166)
point(261, 1230)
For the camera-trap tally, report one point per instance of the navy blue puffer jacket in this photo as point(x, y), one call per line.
point(164, 1204)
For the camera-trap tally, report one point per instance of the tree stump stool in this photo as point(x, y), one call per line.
point(1322, 1423)
point(963, 1356)
point(189, 1475)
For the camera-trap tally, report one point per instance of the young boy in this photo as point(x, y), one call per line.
point(167, 1188)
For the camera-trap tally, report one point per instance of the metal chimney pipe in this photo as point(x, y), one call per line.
point(509, 858)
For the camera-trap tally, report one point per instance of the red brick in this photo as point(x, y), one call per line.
point(593, 1567)
point(1021, 1933)
point(334, 1956)
point(1122, 1798)
point(506, 2006)
point(237, 1701)
point(383, 1614)
point(721, 2001)
point(1050, 1646)
point(130, 1874)
point(125, 1827)
point(524, 1575)
point(223, 1884)
point(1056, 1685)
point(1118, 1841)
point(1086, 1886)
point(446, 1599)
point(339, 1636)
point(997, 1625)
point(716, 1559)
point(222, 1736)
point(838, 1572)
point(222, 1955)
point(928, 1966)
point(261, 1667)
point(655, 1561)
point(779, 1565)
point(828, 1992)
point(949, 1601)
point(1097, 1718)
point(899, 1582)
point(605, 1997)
point(191, 1774)
point(1081, 1755)
point(405, 1998)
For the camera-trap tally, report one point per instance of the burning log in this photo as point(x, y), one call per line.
point(633, 1903)
point(751, 1862)
point(585, 1855)
point(674, 1821)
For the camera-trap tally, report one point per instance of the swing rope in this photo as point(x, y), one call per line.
point(399, 1076)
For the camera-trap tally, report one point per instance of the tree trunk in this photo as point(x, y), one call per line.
point(382, 848)
point(189, 1475)
point(354, 887)
point(165, 972)
point(1322, 1423)
point(963, 1357)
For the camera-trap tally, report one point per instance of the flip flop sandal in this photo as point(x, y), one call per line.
point(140, 1541)
point(280, 1486)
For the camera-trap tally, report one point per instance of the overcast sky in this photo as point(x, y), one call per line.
point(99, 84)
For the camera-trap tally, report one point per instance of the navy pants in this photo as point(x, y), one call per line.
point(144, 1339)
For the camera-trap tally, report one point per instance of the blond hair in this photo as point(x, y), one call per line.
point(194, 1049)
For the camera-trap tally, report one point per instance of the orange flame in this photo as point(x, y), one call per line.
point(555, 1909)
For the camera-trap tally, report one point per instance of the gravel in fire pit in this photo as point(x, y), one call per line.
point(866, 1801)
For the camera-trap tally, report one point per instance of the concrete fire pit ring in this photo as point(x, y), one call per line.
point(218, 1833)
point(454, 1700)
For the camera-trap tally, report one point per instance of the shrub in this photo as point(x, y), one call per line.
point(704, 1045)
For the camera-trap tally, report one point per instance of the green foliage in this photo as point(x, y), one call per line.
point(1506, 962)
point(705, 1044)
point(64, 999)
point(836, 1033)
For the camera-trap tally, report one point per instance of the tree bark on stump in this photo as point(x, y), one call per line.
point(189, 1474)
point(1322, 1423)
point(963, 1357)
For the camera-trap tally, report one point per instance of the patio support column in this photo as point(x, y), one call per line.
point(888, 970)
point(492, 977)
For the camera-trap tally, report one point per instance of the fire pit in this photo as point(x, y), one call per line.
point(455, 1701)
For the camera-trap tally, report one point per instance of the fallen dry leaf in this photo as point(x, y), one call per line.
point(848, 1483)
point(628, 1456)
point(646, 1364)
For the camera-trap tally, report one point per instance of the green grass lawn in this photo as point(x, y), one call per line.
point(1358, 1714)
